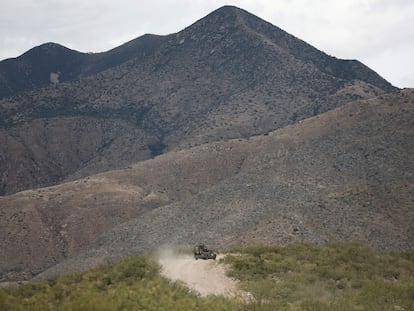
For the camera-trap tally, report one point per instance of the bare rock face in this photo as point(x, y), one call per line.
point(229, 75)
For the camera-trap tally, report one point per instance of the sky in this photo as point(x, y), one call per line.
point(379, 33)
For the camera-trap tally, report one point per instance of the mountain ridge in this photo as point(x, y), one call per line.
point(146, 43)
point(230, 131)
point(345, 174)
point(303, 49)
point(179, 95)
point(33, 69)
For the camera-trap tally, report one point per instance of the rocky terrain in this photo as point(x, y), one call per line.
point(229, 132)
point(52, 63)
point(346, 174)
point(229, 75)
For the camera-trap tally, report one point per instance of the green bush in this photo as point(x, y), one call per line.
point(297, 277)
point(342, 276)
point(132, 284)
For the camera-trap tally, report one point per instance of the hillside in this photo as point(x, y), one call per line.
point(299, 277)
point(229, 75)
point(346, 174)
point(53, 63)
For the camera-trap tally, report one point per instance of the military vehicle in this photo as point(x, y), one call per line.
point(202, 252)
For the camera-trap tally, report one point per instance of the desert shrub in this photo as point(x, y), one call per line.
point(297, 277)
point(341, 276)
point(131, 284)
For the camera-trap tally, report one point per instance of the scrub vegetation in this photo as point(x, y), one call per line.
point(295, 277)
point(337, 277)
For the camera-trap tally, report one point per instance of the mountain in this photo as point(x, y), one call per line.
point(230, 131)
point(229, 75)
point(53, 63)
point(346, 174)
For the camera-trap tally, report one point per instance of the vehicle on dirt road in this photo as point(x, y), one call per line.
point(202, 252)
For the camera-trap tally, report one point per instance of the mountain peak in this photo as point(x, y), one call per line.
point(234, 13)
point(52, 45)
point(232, 27)
point(225, 15)
point(227, 9)
point(49, 49)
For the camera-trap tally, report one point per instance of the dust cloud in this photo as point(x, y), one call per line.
point(206, 277)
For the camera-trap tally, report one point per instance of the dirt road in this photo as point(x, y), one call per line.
point(203, 276)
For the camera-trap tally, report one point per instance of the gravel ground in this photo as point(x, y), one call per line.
point(207, 277)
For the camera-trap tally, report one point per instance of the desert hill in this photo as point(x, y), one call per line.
point(229, 75)
point(346, 174)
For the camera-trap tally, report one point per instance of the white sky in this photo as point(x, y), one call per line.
point(380, 33)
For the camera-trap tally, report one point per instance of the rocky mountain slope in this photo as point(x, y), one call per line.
point(52, 63)
point(229, 75)
point(346, 174)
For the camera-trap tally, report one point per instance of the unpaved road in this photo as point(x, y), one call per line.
point(203, 276)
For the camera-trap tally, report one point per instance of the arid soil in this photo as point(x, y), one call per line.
point(344, 175)
point(207, 277)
